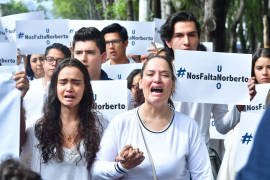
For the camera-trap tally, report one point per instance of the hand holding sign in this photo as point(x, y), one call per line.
point(22, 83)
point(251, 87)
point(35, 35)
point(211, 77)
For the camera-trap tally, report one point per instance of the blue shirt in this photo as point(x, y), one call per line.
point(257, 167)
point(104, 75)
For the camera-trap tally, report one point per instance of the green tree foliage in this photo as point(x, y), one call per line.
point(118, 10)
point(249, 29)
point(80, 9)
point(13, 7)
point(253, 24)
point(71, 9)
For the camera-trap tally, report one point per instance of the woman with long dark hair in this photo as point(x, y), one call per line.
point(65, 140)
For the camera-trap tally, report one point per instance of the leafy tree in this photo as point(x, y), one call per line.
point(118, 9)
point(93, 9)
point(224, 22)
point(13, 7)
point(71, 9)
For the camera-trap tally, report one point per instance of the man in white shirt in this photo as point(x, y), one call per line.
point(116, 39)
point(182, 31)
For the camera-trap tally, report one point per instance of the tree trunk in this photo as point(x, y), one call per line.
point(265, 9)
point(166, 8)
point(215, 12)
point(144, 10)
point(93, 13)
point(252, 39)
point(234, 23)
point(130, 10)
point(155, 6)
point(266, 31)
point(266, 42)
point(1, 10)
point(243, 41)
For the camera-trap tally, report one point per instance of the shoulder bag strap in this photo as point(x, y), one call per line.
point(148, 152)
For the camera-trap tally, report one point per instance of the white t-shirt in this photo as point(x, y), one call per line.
point(71, 168)
point(178, 151)
point(225, 118)
point(108, 62)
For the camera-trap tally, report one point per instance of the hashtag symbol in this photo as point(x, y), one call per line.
point(181, 72)
point(246, 138)
point(20, 35)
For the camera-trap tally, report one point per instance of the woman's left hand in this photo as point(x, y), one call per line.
point(130, 157)
point(252, 92)
point(22, 83)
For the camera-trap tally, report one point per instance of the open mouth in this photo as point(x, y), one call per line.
point(69, 97)
point(156, 90)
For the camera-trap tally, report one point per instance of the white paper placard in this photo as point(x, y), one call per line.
point(121, 71)
point(111, 97)
point(8, 24)
point(248, 126)
point(9, 113)
point(257, 105)
point(208, 45)
point(211, 77)
point(140, 34)
point(158, 23)
point(75, 25)
point(34, 36)
point(8, 53)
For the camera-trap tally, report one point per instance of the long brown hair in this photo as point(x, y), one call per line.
point(48, 129)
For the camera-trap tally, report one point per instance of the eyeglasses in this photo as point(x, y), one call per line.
point(116, 41)
point(50, 60)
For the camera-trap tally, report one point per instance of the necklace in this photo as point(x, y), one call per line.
point(70, 137)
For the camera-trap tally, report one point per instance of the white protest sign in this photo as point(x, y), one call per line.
point(158, 24)
point(121, 71)
point(9, 113)
point(257, 105)
point(34, 36)
point(8, 24)
point(111, 97)
point(140, 35)
point(208, 45)
point(8, 53)
point(248, 126)
point(75, 25)
point(211, 77)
